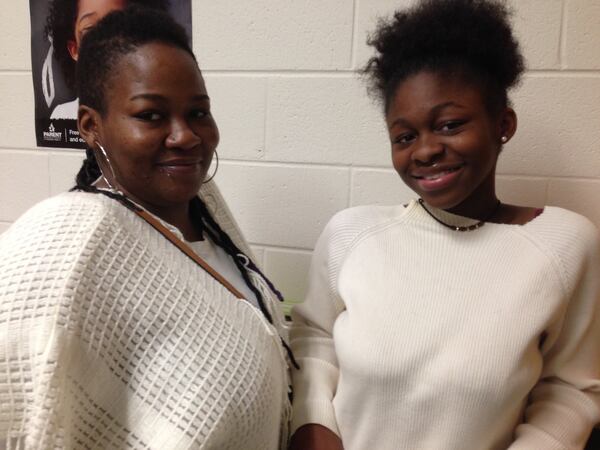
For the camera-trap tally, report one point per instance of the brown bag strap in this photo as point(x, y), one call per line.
point(188, 251)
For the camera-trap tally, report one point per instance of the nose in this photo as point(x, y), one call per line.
point(182, 136)
point(428, 151)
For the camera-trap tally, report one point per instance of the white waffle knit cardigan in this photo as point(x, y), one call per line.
point(110, 337)
point(414, 336)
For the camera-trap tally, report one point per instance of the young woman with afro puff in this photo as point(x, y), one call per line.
point(456, 321)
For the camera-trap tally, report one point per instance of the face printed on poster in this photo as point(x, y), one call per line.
point(57, 29)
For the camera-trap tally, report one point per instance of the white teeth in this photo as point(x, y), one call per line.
point(439, 175)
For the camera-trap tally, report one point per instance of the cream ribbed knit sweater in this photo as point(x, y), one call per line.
point(112, 338)
point(415, 336)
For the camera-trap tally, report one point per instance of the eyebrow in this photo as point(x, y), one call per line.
point(86, 15)
point(435, 110)
point(158, 97)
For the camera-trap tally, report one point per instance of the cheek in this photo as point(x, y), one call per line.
point(399, 160)
point(133, 158)
point(486, 155)
point(212, 136)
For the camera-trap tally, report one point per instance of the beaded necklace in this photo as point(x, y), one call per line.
point(463, 228)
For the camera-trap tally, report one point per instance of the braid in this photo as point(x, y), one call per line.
point(89, 171)
point(200, 213)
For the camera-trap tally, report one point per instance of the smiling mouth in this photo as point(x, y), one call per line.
point(438, 175)
point(179, 163)
point(180, 168)
point(439, 180)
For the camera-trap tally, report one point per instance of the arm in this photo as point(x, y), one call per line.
point(312, 342)
point(313, 436)
point(38, 256)
point(565, 404)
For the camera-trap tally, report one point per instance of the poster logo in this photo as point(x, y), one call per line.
point(52, 134)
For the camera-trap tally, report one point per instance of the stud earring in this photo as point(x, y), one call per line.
point(504, 139)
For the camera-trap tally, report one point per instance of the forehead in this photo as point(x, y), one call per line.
point(425, 90)
point(157, 68)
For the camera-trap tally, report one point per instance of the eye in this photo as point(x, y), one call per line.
point(149, 116)
point(200, 113)
point(404, 139)
point(450, 126)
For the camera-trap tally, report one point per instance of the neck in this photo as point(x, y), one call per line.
point(178, 216)
point(480, 205)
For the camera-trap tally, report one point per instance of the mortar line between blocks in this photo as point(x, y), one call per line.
point(354, 73)
point(302, 165)
point(579, 73)
point(383, 169)
point(15, 72)
point(48, 154)
point(287, 73)
point(354, 38)
point(562, 48)
point(36, 151)
point(334, 73)
point(351, 189)
point(265, 118)
point(548, 178)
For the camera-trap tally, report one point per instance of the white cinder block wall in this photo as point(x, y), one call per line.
point(301, 139)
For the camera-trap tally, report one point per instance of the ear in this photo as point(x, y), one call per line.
point(89, 124)
point(73, 49)
point(507, 125)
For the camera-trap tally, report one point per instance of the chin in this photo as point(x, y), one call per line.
point(443, 201)
point(178, 197)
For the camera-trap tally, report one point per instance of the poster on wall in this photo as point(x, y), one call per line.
point(57, 27)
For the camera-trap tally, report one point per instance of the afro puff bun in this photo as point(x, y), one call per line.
point(469, 37)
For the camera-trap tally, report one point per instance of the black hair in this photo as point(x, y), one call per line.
point(60, 26)
point(120, 33)
point(466, 38)
point(116, 35)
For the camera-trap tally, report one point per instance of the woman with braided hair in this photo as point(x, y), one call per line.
point(456, 321)
point(131, 312)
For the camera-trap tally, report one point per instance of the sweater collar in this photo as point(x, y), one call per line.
point(450, 219)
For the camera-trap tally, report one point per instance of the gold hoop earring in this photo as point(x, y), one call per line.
point(216, 168)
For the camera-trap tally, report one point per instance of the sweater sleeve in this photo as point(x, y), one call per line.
point(38, 256)
point(565, 403)
point(312, 342)
point(313, 321)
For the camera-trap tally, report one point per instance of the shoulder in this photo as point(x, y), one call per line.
point(68, 203)
point(348, 227)
point(49, 247)
point(561, 230)
point(69, 216)
point(350, 224)
point(571, 239)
